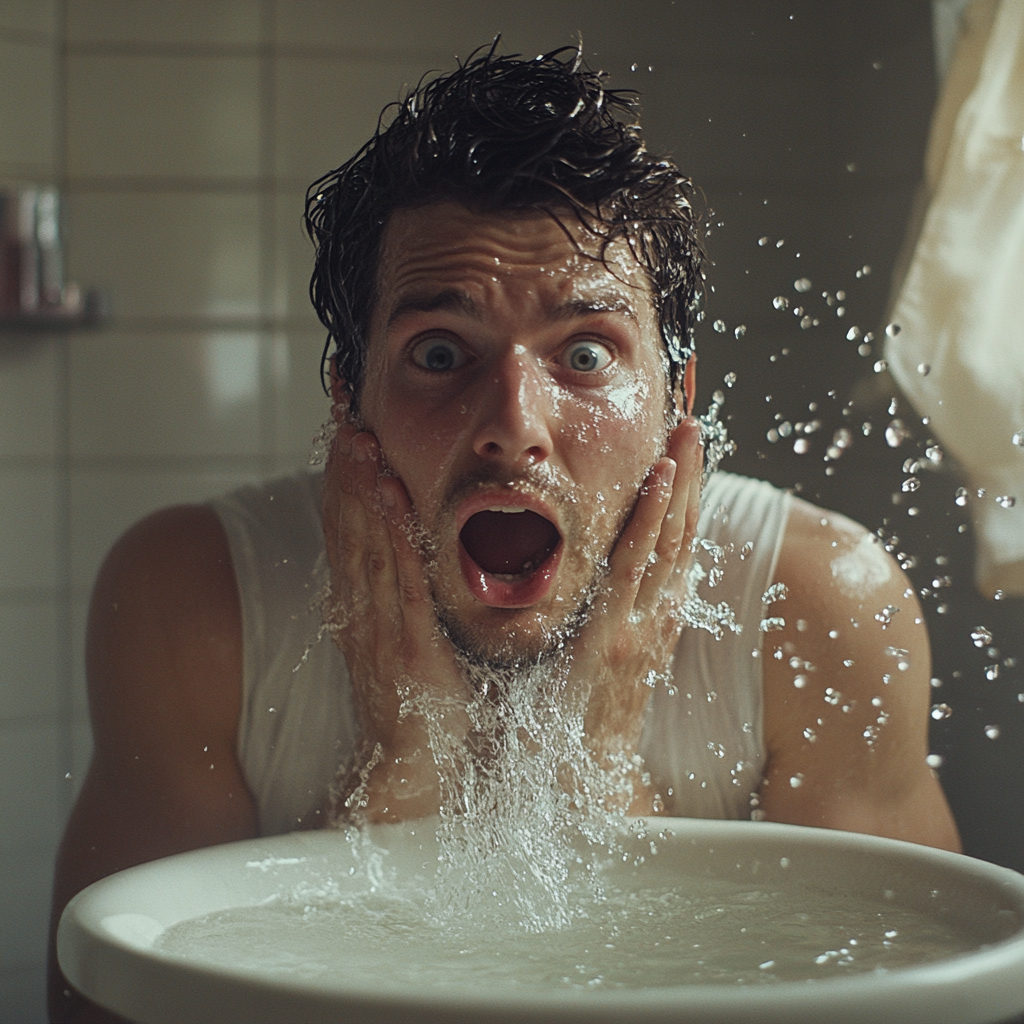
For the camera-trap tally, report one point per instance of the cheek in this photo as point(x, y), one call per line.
point(624, 421)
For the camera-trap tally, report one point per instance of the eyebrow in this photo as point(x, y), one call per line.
point(451, 300)
point(455, 301)
point(612, 302)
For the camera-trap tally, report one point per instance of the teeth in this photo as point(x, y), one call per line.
point(506, 508)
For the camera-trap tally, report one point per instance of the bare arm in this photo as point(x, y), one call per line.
point(164, 667)
point(846, 700)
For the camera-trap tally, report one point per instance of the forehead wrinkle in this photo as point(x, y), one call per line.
point(452, 300)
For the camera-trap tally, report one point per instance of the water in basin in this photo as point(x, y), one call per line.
point(703, 931)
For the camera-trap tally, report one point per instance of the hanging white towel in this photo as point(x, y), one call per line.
point(959, 355)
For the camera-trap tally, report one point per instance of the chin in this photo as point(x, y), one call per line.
point(512, 638)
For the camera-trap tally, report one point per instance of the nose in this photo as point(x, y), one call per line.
point(515, 413)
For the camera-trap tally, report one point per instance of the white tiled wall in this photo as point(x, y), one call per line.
point(183, 135)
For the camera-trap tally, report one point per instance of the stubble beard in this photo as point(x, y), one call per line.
point(537, 638)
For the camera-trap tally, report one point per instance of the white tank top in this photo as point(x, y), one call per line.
point(702, 740)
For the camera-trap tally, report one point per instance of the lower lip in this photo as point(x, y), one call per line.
point(496, 593)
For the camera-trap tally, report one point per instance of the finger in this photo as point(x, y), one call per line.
point(671, 550)
point(359, 545)
point(680, 518)
point(631, 557)
point(409, 561)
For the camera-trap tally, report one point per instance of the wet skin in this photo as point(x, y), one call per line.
point(505, 369)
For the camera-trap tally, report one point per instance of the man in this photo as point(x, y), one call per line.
point(513, 484)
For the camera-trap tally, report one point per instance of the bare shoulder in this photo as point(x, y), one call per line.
point(164, 667)
point(166, 604)
point(846, 685)
point(164, 671)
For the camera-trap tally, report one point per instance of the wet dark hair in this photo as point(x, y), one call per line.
point(503, 134)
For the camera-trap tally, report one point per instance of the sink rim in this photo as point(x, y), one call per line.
point(986, 985)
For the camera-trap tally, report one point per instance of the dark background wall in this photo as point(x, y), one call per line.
point(806, 123)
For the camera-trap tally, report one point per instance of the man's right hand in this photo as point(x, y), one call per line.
point(382, 617)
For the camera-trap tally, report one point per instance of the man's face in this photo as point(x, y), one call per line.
point(518, 390)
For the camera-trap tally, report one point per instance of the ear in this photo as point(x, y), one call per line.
point(685, 397)
point(341, 396)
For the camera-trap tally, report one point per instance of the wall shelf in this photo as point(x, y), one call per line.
point(93, 312)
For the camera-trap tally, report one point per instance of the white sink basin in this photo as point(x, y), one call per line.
point(108, 942)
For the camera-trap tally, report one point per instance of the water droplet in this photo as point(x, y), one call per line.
point(933, 761)
point(719, 326)
point(924, 369)
point(910, 484)
point(885, 615)
point(808, 322)
point(810, 735)
point(997, 596)
point(895, 434)
point(772, 623)
point(992, 732)
point(796, 781)
point(1006, 501)
point(740, 331)
point(802, 284)
point(801, 446)
point(864, 271)
point(800, 681)
point(893, 329)
point(881, 366)
point(981, 636)
point(941, 711)
point(864, 349)
point(730, 379)
point(763, 240)
point(632, 67)
point(933, 453)
point(1018, 439)
point(780, 302)
point(853, 334)
point(991, 673)
point(780, 243)
point(961, 496)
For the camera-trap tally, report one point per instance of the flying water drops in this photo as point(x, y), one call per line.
point(981, 636)
point(896, 434)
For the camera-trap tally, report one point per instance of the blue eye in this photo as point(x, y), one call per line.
point(438, 355)
point(588, 356)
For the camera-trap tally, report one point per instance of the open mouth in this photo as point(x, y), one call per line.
point(509, 555)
